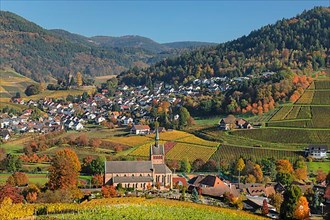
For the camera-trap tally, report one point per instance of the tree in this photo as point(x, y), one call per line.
point(82, 140)
point(17, 95)
point(265, 209)
point(284, 178)
point(250, 179)
point(302, 209)
point(32, 90)
point(108, 191)
point(257, 173)
point(64, 170)
point(290, 200)
point(301, 173)
point(320, 176)
point(20, 179)
point(239, 167)
point(97, 180)
point(194, 195)
point(95, 142)
point(79, 79)
point(10, 192)
point(13, 163)
point(185, 166)
point(284, 166)
point(276, 200)
point(210, 166)
point(97, 165)
point(184, 116)
point(197, 164)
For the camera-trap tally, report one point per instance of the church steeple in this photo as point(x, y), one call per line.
point(156, 137)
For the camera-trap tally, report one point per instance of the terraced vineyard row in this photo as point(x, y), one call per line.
point(283, 135)
point(232, 153)
point(282, 113)
point(304, 113)
point(322, 84)
point(293, 113)
point(321, 98)
point(306, 98)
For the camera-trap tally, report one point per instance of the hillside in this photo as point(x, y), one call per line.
point(295, 44)
point(12, 82)
point(43, 54)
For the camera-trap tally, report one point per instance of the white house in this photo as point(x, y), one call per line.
point(4, 135)
point(316, 151)
point(140, 129)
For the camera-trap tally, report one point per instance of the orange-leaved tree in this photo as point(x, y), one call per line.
point(302, 209)
point(64, 170)
point(284, 166)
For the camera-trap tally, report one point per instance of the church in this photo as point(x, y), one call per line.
point(141, 174)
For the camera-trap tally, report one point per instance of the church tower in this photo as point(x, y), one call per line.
point(157, 152)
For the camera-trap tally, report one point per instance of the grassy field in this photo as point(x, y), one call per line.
point(33, 178)
point(16, 146)
point(102, 79)
point(314, 166)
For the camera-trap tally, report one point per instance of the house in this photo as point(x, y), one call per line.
point(140, 129)
point(141, 174)
point(211, 186)
point(255, 204)
point(227, 123)
point(316, 151)
point(231, 122)
point(77, 126)
point(4, 135)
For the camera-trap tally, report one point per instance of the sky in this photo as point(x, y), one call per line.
point(163, 21)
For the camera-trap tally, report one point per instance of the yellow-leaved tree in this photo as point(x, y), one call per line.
point(79, 79)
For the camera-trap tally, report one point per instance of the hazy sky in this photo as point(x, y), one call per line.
point(163, 21)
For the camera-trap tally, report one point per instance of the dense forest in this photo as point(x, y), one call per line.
point(290, 44)
point(293, 48)
point(44, 54)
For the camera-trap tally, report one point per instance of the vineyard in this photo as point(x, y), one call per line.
point(282, 113)
point(322, 84)
point(306, 98)
point(282, 135)
point(232, 153)
point(182, 151)
point(321, 98)
point(122, 208)
point(178, 145)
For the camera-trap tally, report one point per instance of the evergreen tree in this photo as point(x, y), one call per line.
point(291, 196)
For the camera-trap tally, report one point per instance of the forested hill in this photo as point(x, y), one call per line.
point(297, 44)
point(43, 54)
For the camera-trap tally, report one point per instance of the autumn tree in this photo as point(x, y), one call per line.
point(288, 207)
point(301, 173)
point(95, 142)
point(64, 170)
point(265, 209)
point(82, 140)
point(276, 200)
point(284, 166)
point(302, 209)
point(239, 167)
point(11, 192)
point(79, 79)
point(108, 191)
point(257, 173)
point(19, 179)
point(250, 179)
point(97, 180)
point(320, 176)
